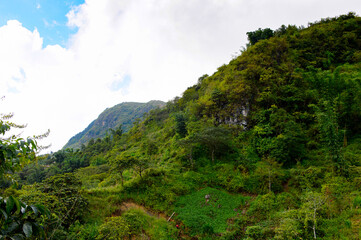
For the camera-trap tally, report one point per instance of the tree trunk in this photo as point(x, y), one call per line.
point(191, 159)
point(121, 176)
point(269, 179)
point(212, 155)
point(314, 223)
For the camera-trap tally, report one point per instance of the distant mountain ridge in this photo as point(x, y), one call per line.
point(124, 113)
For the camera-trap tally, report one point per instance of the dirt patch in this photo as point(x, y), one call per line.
point(125, 206)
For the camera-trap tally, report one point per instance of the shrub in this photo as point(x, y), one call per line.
point(254, 232)
point(82, 232)
point(357, 202)
point(135, 220)
point(114, 228)
point(263, 206)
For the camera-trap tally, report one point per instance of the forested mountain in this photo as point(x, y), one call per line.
point(121, 114)
point(268, 147)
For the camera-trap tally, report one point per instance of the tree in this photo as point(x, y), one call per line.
point(117, 133)
point(180, 124)
point(289, 226)
point(139, 165)
point(332, 136)
point(313, 201)
point(269, 170)
point(215, 138)
point(149, 147)
point(17, 219)
point(15, 152)
point(260, 34)
point(121, 163)
point(188, 144)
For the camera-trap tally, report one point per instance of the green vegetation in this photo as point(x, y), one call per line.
point(123, 114)
point(134, 223)
point(18, 220)
point(268, 147)
point(208, 209)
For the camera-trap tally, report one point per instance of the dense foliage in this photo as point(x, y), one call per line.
point(18, 220)
point(268, 147)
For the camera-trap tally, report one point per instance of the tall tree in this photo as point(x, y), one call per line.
point(121, 163)
point(216, 139)
point(313, 201)
point(332, 135)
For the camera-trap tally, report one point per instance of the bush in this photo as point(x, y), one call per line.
point(135, 220)
point(357, 202)
point(207, 229)
point(114, 228)
point(254, 232)
point(82, 232)
point(289, 227)
point(263, 206)
point(61, 194)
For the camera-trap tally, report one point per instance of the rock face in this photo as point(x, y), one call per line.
point(124, 113)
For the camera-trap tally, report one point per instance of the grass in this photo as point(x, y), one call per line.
point(208, 217)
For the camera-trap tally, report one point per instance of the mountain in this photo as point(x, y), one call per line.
point(267, 147)
point(124, 113)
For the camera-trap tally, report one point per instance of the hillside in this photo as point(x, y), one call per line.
point(268, 147)
point(123, 114)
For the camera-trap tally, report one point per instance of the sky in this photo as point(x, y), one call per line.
point(62, 62)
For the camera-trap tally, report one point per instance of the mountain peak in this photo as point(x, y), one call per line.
point(121, 114)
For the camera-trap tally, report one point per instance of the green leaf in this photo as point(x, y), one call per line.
point(27, 229)
point(18, 206)
point(43, 210)
point(38, 230)
point(35, 209)
point(12, 227)
point(9, 204)
point(17, 237)
point(4, 213)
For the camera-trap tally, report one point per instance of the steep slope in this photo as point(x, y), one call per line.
point(124, 113)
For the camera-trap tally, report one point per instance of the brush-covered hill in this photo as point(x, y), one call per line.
point(123, 114)
point(268, 147)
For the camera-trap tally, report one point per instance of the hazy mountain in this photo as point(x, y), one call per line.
point(124, 113)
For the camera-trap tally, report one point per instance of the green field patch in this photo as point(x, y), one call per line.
point(207, 210)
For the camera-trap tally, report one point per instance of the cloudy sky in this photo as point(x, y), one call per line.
point(63, 62)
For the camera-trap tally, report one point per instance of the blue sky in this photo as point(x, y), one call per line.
point(48, 16)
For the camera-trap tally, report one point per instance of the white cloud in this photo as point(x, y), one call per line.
point(131, 50)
